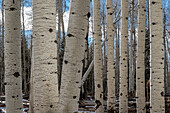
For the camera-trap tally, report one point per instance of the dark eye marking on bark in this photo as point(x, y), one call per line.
point(98, 104)
point(126, 18)
point(5, 83)
point(88, 14)
point(51, 106)
point(153, 2)
point(12, 9)
point(121, 94)
point(108, 7)
point(162, 93)
point(13, 96)
point(78, 71)
point(65, 61)
point(16, 74)
point(55, 41)
point(110, 13)
point(70, 35)
point(74, 97)
point(13, 1)
point(153, 23)
point(50, 30)
point(73, 13)
point(98, 85)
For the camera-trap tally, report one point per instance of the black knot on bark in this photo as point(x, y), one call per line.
point(70, 35)
point(50, 30)
point(16, 74)
point(98, 85)
point(98, 104)
point(65, 61)
point(12, 9)
point(74, 97)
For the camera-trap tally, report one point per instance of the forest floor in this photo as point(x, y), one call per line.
point(86, 106)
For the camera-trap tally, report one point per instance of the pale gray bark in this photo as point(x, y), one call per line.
point(98, 58)
point(13, 82)
point(74, 57)
point(157, 104)
point(45, 56)
point(140, 70)
point(110, 60)
point(123, 104)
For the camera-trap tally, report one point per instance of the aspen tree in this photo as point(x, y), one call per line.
point(13, 82)
point(74, 56)
point(157, 104)
point(45, 56)
point(110, 54)
point(123, 103)
point(140, 70)
point(98, 57)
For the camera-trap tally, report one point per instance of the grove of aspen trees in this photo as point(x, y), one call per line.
point(84, 56)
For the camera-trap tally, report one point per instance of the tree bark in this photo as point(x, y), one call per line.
point(98, 58)
point(13, 81)
point(123, 104)
point(45, 56)
point(110, 54)
point(23, 51)
point(157, 103)
point(140, 70)
point(74, 57)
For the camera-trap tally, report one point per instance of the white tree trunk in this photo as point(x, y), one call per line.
point(110, 61)
point(123, 103)
point(98, 58)
point(45, 56)
point(157, 104)
point(13, 82)
point(74, 57)
point(140, 70)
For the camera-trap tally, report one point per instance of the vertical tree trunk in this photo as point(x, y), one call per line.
point(23, 50)
point(140, 71)
point(123, 104)
point(98, 58)
point(74, 57)
point(13, 82)
point(45, 56)
point(131, 67)
point(157, 58)
point(110, 63)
